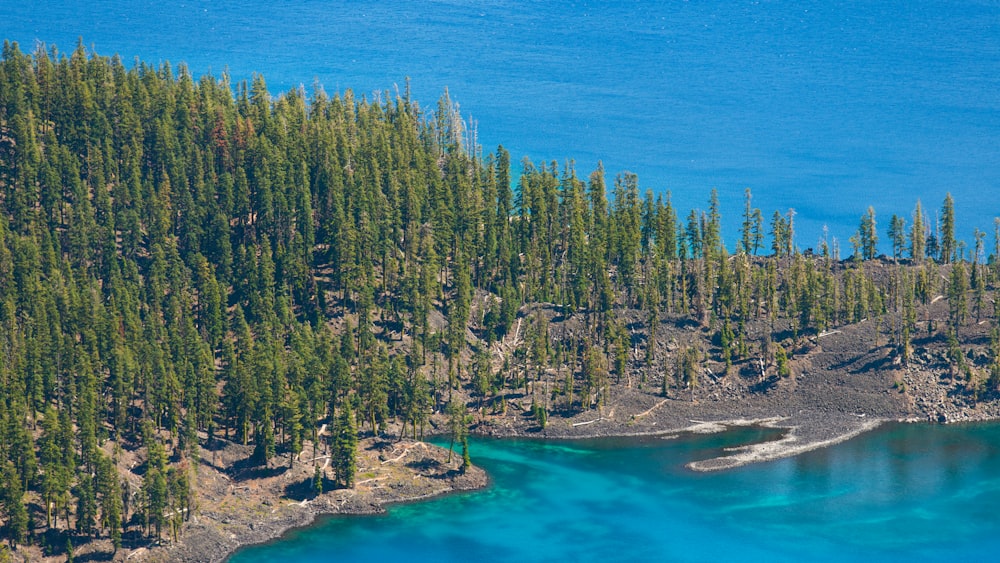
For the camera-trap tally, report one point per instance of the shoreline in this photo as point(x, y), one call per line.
point(832, 396)
point(795, 438)
point(310, 517)
point(237, 517)
point(204, 542)
point(789, 445)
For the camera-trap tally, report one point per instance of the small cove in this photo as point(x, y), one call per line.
point(916, 492)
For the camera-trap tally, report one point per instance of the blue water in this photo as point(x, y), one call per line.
point(901, 493)
point(825, 106)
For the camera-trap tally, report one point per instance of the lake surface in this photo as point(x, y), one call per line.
point(901, 493)
point(824, 106)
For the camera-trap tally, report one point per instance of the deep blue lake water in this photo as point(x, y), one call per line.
point(900, 493)
point(822, 106)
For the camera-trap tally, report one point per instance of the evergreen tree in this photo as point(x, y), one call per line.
point(458, 427)
point(345, 446)
point(781, 361)
point(746, 229)
point(595, 376)
point(958, 286)
point(947, 244)
point(12, 500)
point(867, 235)
point(317, 482)
point(466, 460)
point(779, 235)
point(687, 367)
point(897, 236)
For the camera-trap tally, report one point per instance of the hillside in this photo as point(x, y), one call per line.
point(194, 267)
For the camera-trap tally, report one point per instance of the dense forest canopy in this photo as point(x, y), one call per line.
point(184, 260)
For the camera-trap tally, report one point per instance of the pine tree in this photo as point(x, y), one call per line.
point(779, 234)
point(712, 236)
point(746, 229)
point(867, 235)
point(918, 237)
point(687, 367)
point(109, 489)
point(897, 236)
point(317, 482)
point(458, 427)
point(345, 446)
point(947, 244)
point(781, 361)
point(12, 500)
point(595, 376)
point(958, 286)
point(466, 460)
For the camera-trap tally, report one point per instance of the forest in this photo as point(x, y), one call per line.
point(185, 260)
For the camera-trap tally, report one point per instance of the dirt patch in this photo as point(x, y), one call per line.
point(236, 511)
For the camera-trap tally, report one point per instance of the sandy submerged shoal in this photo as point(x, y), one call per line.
point(215, 536)
point(834, 397)
point(795, 441)
point(802, 432)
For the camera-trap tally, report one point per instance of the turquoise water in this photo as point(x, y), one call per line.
point(826, 106)
point(900, 493)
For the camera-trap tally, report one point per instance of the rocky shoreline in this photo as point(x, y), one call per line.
point(214, 535)
point(836, 391)
point(235, 515)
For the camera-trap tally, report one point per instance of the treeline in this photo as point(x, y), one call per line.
point(183, 260)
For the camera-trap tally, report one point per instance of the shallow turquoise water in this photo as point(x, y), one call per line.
point(903, 492)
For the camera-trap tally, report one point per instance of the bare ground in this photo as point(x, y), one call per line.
point(258, 505)
point(239, 504)
point(843, 382)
